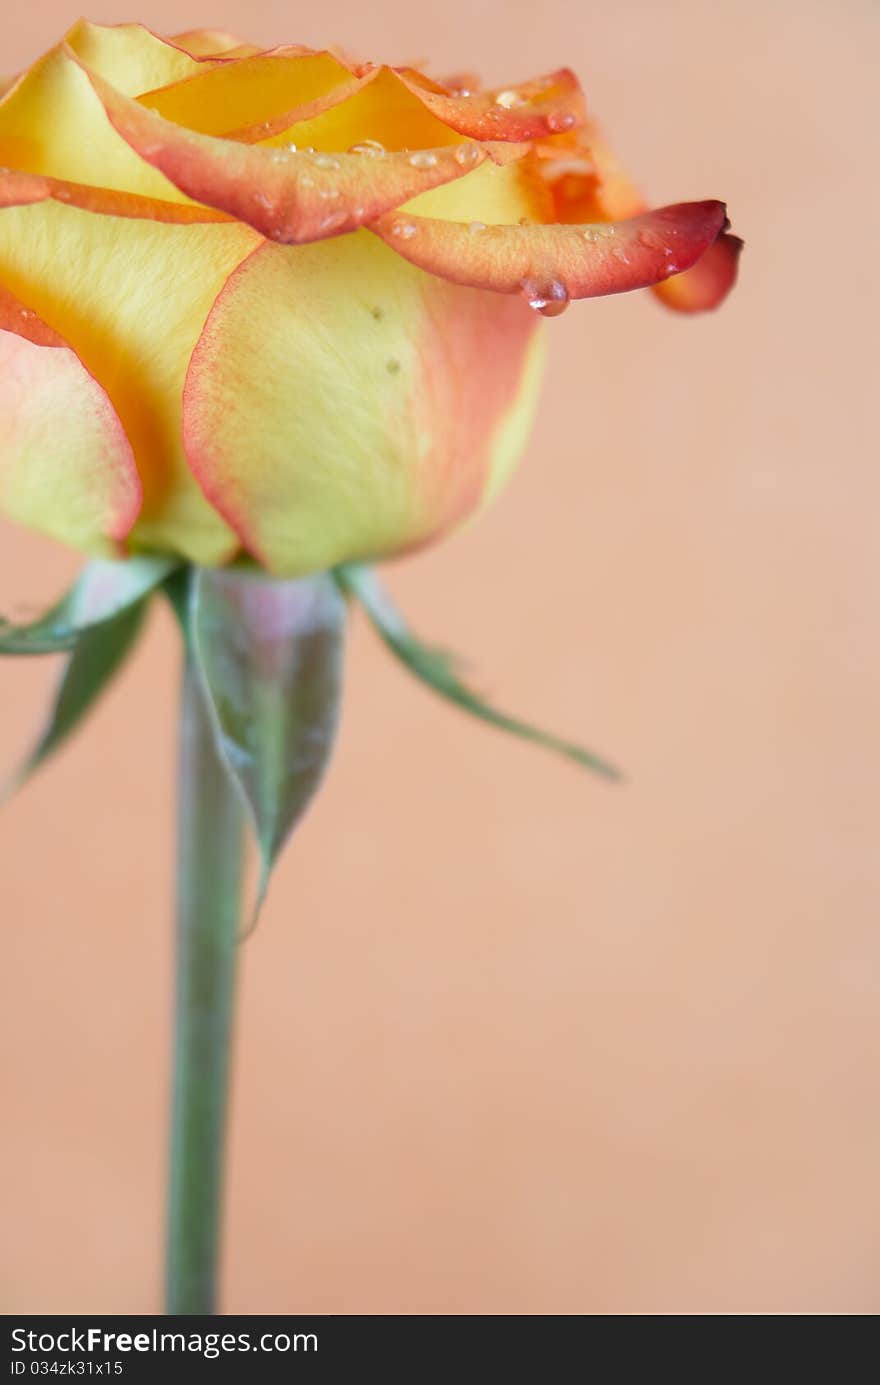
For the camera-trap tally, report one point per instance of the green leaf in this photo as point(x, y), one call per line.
point(101, 592)
point(439, 669)
point(269, 654)
point(97, 657)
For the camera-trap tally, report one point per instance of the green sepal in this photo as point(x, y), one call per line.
point(102, 591)
point(269, 654)
point(438, 668)
point(99, 653)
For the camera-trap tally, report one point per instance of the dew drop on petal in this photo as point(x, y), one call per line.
point(423, 158)
point(476, 227)
point(403, 229)
point(597, 233)
point(325, 161)
point(466, 155)
point(549, 299)
point(306, 182)
point(328, 194)
point(369, 148)
point(559, 120)
point(333, 221)
point(652, 241)
point(620, 254)
point(508, 100)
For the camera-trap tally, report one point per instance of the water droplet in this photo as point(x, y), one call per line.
point(369, 148)
point(620, 254)
point(325, 161)
point(652, 241)
point(559, 120)
point(423, 158)
point(460, 92)
point(263, 199)
point(333, 221)
point(466, 155)
point(292, 148)
point(306, 181)
point(597, 233)
point(328, 194)
point(63, 194)
point(549, 299)
point(278, 156)
point(26, 312)
point(476, 227)
point(671, 268)
point(509, 99)
point(404, 229)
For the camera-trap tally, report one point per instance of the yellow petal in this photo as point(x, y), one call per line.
point(131, 297)
point(208, 43)
point(130, 56)
point(66, 467)
point(233, 95)
point(344, 405)
point(52, 122)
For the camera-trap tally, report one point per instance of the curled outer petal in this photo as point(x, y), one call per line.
point(586, 183)
point(555, 263)
point(708, 283)
point(341, 404)
point(290, 197)
point(77, 482)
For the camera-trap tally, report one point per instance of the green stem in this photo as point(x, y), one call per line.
point(210, 853)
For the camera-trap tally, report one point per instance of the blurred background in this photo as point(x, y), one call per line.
point(511, 1039)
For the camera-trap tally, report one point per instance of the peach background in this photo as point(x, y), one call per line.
point(512, 1040)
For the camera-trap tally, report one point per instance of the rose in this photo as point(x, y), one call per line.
point(213, 342)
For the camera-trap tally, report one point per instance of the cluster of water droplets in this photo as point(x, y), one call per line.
point(404, 230)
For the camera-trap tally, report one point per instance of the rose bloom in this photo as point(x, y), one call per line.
point(285, 304)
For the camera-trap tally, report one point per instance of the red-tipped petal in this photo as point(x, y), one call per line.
point(289, 197)
point(525, 111)
point(551, 264)
point(66, 466)
point(708, 283)
point(22, 189)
